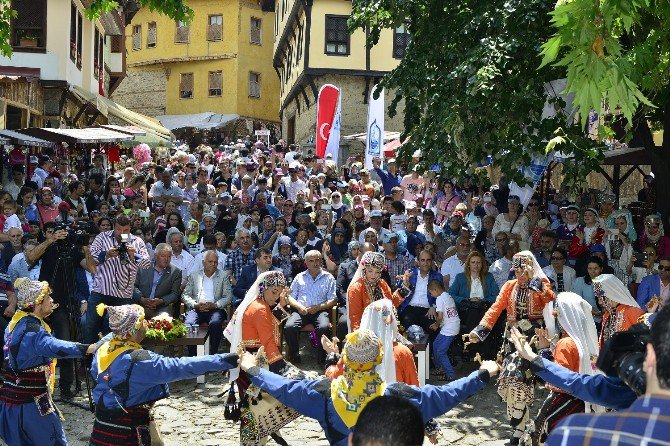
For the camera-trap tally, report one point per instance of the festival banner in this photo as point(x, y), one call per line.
point(534, 173)
point(328, 121)
point(374, 142)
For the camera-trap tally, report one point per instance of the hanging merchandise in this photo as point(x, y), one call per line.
point(113, 154)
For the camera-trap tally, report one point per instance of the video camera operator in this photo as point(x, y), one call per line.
point(118, 255)
point(61, 243)
point(637, 364)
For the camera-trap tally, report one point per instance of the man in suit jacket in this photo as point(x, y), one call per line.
point(158, 287)
point(263, 263)
point(655, 285)
point(206, 296)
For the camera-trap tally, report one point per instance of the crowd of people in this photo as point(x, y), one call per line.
point(263, 243)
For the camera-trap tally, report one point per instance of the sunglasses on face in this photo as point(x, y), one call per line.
point(664, 268)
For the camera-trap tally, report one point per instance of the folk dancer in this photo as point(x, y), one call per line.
point(28, 416)
point(525, 298)
point(128, 379)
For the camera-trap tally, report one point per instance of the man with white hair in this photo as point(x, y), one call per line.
point(206, 296)
point(312, 296)
point(159, 287)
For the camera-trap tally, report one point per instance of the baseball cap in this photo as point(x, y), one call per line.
point(376, 213)
point(390, 236)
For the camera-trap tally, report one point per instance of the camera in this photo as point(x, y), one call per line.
point(123, 249)
point(75, 238)
point(623, 355)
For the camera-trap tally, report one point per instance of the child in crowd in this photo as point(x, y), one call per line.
point(449, 325)
point(398, 217)
point(11, 219)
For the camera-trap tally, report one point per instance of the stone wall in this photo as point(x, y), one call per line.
point(354, 113)
point(143, 91)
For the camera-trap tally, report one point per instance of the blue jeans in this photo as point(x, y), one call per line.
point(215, 319)
point(440, 358)
point(94, 322)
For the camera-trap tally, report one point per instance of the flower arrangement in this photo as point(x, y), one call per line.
point(142, 153)
point(165, 328)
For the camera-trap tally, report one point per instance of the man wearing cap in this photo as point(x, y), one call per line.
point(376, 224)
point(44, 166)
point(129, 380)
point(293, 184)
point(390, 177)
point(337, 403)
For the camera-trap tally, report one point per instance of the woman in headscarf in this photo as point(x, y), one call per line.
point(28, 416)
point(128, 380)
point(367, 286)
point(526, 297)
point(256, 327)
point(338, 245)
point(380, 317)
point(654, 235)
point(576, 349)
point(619, 243)
point(587, 237)
point(336, 404)
point(620, 310)
point(337, 205)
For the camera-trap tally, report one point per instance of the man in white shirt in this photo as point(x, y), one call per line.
point(44, 167)
point(206, 296)
point(181, 258)
point(456, 264)
point(428, 227)
point(500, 269)
point(418, 306)
point(293, 184)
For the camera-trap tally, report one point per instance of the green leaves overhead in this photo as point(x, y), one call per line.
point(615, 53)
point(471, 86)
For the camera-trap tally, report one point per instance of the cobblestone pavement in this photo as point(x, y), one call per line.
point(193, 416)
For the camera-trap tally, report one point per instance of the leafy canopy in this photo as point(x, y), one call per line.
point(471, 85)
point(613, 51)
point(175, 9)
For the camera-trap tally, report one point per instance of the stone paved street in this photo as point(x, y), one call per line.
point(193, 415)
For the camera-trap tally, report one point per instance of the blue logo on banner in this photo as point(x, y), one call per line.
point(374, 139)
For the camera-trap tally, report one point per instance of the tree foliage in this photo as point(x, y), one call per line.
point(615, 52)
point(175, 9)
point(471, 85)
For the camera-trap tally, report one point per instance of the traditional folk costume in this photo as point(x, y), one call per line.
point(253, 325)
point(660, 241)
point(577, 350)
point(361, 293)
point(336, 404)
point(618, 252)
point(28, 416)
point(128, 380)
point(620, 310)
point(592, 235)
point(527, 308)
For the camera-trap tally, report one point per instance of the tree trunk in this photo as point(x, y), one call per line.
point(659, 156)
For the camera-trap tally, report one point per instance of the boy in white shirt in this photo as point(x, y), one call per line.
point(449, 324)
point(11, 219)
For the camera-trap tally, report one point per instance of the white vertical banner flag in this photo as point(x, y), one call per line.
point(374, 142)
point(333, 146)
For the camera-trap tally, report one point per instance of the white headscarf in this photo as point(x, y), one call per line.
point(379, 317)
point(537, 269)
point(233, 331)
point(575, 318)
point(615, 290)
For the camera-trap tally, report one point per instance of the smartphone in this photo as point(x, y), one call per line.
point(641, 259)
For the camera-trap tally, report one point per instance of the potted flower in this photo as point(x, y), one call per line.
point(28, 41)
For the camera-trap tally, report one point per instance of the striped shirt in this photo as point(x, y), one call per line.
point(112, 278)
point(645, 422)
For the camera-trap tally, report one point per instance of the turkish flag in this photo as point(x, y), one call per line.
point(325, 114)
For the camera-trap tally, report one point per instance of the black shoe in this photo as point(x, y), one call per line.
point(67, 394)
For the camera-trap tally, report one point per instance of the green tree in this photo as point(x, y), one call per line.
point(175, 9)
point(617, 52)
point(471, 85)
